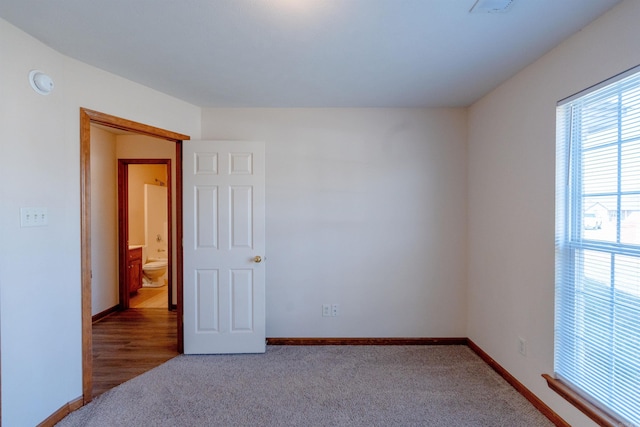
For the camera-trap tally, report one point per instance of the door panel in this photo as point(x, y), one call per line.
point(241, 217)
point(206, 222)
point(224, 235)
point(242, 300)
point(207, 300)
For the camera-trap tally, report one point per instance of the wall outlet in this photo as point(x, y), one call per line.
point(33, 217)
point(522, 346)
point(335, 310)
point(326, 310)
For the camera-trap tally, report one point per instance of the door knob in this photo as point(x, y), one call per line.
point(257, 258)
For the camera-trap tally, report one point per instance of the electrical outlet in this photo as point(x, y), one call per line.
point(33, 217)
point(335, 310)
point(326, 310)
point(522, 346)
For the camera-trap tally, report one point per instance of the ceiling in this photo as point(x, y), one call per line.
point(306, 53)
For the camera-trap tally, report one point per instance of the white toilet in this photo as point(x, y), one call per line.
point(154, 271)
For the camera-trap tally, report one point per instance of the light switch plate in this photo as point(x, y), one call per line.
point(34, 217)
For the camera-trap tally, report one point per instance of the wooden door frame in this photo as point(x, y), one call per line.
point(87, 118)
point(123, 227)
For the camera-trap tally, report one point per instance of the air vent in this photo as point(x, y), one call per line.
point(492, 6)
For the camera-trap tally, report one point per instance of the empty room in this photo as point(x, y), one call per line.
point(367, 203)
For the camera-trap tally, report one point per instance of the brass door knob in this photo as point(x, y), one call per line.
point(257, 258)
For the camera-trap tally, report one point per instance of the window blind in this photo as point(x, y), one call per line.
point(597, 324)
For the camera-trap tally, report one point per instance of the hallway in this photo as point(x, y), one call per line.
point(129, 343)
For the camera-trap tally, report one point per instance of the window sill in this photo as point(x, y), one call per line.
point(584, 404)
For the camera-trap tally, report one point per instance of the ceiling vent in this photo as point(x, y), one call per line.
point(492, 6)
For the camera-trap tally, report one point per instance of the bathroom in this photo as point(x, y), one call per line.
point(148, 225)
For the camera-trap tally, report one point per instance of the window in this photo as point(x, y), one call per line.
point(597, 325)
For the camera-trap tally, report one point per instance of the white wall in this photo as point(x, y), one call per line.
point(40, 167)
point(511, 197)
point(104, 221)
point(365, 208)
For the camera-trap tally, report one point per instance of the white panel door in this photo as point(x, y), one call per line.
point(224, 242)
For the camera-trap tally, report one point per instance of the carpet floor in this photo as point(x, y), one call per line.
point(316, 386)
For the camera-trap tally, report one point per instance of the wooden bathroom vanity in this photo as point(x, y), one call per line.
point(134, 269)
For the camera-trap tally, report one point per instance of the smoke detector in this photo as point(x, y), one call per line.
point(40, 82)
point(491, 6)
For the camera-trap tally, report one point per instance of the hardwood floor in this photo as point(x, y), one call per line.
point(129, 343)
point(150, 298)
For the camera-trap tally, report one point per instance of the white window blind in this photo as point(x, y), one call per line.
point(597, 325)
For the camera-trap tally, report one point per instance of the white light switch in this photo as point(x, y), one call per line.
point(33, 217)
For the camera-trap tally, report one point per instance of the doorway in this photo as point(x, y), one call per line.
point(145, 227)
point(87, 118)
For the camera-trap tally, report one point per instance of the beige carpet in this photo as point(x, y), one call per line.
point(317, 386)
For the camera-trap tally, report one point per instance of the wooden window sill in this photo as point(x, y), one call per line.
point(584, 404)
